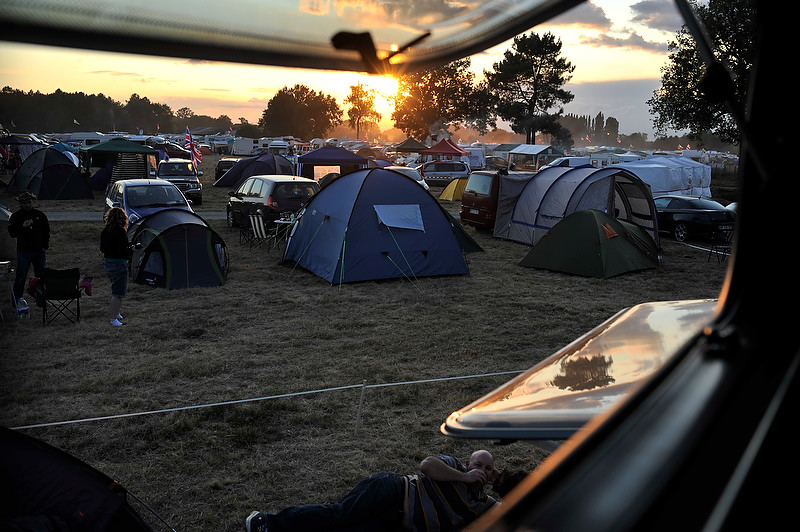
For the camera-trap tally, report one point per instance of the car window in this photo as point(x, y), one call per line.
point(244, 190)
point(257, 190)
point(479, 184)
point(293, 191)
point(677, 203)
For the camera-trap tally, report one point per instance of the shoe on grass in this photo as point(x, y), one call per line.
point(256, 522)
point(116, 323)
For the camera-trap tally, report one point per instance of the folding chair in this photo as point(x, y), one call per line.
point(59, 289)
point(721, 243)
point(246, 231)
point(260, 235)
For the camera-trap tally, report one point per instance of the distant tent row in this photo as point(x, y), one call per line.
point(265, 164)
point(377, 224)
point(178, 250)
point(50, 174)
point(529, 205)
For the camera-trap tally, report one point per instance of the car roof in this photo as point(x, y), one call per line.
point(139, 182)
point(175, 160)
point(281, 178)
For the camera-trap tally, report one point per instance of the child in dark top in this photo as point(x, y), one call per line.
point(32, 230)
point(116, 254)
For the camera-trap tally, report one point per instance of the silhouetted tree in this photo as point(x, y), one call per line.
point(528, 83)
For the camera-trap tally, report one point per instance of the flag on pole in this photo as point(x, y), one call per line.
point(197, 157)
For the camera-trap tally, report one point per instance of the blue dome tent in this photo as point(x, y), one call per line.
point(376, 224)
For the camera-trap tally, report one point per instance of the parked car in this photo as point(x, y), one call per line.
point(276, 196)
point(440, 173)
point(223, 165)
point(412, 173)
point(141, 197)
point(692, 216)
point(169, 147)
point(183, 174)
point(493, 162)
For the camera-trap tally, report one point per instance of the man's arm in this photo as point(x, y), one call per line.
point(437, 469)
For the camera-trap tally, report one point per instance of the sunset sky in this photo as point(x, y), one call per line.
point(617, 46)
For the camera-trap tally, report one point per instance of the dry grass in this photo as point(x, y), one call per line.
point(273, 330)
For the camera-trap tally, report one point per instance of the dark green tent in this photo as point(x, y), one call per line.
point(593, 244)
point(178, 250)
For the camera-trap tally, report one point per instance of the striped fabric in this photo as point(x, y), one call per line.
point(433, 506)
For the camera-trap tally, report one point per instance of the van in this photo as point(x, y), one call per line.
point(479, 199)
point(440, 173)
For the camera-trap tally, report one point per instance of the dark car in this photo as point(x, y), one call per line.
point(692, 217)
point(141, 197)
point(183, 174)
point(223, 165)
point(275, 196)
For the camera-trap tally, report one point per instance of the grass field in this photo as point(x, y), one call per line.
point(217, 401)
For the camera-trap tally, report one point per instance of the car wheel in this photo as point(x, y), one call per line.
point(231, 221)
point(680, 232)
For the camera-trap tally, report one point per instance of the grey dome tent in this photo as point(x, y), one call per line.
point(593, 244)
point(178, 250)
point(50, 174)
point(265, 164)
point(530, 206)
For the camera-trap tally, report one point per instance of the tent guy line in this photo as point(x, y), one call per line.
point(264, 398)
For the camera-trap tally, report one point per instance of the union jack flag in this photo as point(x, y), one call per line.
point(197, 157)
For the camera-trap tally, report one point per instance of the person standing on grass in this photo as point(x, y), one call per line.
point(32, 230)
point(446, 495)
point(116, 254)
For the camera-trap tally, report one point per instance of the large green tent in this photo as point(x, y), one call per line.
point(593, 244)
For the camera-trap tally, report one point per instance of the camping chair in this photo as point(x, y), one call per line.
point(260, 235)
point(245, 231)
point(721, 243)
point(59, 289)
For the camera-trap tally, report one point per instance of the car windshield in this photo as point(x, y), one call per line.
point(151, 196)
point(176, 169)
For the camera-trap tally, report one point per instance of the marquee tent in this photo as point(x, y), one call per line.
point(117, 158)
point(178, 250)
point(593, 244)
point(265, 164)
point(51, 175)
point(410, 145)
point(529, 207)
point(445, 147)
point(346, 160)
point(375, 224)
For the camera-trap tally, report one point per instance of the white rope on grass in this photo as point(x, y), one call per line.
point(263, 398)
